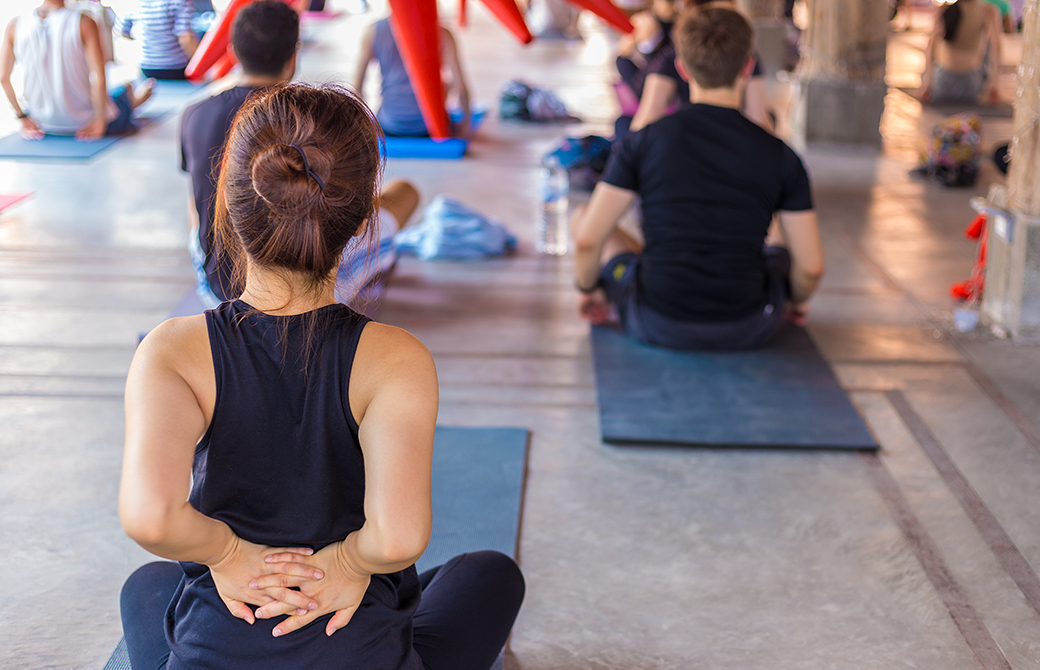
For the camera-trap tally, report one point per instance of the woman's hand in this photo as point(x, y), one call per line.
point(341, 590)
point(235, 576)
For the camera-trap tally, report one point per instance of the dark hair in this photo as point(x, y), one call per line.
point(951, 19)
point(714, 44)
point(264, 36)
point(298, 179)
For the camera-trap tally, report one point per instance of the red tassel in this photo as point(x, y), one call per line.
point(509, 15)
point(606, 10)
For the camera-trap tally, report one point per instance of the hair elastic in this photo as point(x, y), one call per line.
point(307, 168)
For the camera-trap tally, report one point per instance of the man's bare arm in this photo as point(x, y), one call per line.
point(594, 227)
point(91, 37)
point(7, 65)
point(802, 234)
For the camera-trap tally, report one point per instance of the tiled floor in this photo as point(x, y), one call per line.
point(636, 558)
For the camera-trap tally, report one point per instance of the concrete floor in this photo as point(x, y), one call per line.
point(636, 558)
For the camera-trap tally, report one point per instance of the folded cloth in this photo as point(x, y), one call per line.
point(450, 230)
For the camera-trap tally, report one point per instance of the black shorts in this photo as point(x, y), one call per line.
point(618, 278)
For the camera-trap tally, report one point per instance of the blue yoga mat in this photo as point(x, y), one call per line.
point(782, 395)
point(425, 147)
point(64, 147)
point(478, 482)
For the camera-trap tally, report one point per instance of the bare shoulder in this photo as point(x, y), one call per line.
point(177, 345)
point(383, 345)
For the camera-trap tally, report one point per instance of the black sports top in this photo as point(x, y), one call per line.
point(281, 465)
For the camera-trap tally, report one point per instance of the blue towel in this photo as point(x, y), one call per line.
point(452, 231)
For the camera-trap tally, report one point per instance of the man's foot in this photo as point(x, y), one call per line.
point(141, 94)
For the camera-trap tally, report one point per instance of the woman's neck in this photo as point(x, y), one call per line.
point(283, 292)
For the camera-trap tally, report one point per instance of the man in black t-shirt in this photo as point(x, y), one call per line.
point(264, 37)
point(709, 182)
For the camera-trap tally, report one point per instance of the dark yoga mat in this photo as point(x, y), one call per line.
point(782, 395)
point(478, 482)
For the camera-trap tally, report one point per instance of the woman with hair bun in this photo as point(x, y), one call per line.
point(279, 446)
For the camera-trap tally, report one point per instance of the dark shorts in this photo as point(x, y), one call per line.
point(174, 74)
point(122, 123)
point(647, 325)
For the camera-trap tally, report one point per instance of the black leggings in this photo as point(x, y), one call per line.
point(467, 610)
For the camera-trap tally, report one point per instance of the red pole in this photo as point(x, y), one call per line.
point(415, 27)
point(606, 10)
point(462, 13)
point(509, 15)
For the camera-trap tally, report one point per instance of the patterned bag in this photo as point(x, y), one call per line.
point(951, 155)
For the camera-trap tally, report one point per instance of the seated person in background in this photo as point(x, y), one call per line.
point(63, 73)
point(663, 86)
point(167, 39)
point(709, 182)
point(1005, 14)
point(264, 38)
point(963, 54)
point(398, 112)
point(653, 33)
point(280, 445)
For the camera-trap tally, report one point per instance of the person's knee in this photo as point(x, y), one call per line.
point(502, 571)
point(401, 199)
point(148, 581)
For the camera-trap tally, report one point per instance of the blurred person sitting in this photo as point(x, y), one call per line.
point(64, 88)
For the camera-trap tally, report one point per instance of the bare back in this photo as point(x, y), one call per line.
point(966, 49)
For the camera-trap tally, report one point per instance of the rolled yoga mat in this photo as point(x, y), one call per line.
point(478, 482)
point(781, 395)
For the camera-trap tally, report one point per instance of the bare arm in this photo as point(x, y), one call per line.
point(189, 43)
point(929, 57)
point(91, 37)
point(594, 227)
point(658, 91)
point(458, 88)
point(995, 44)
point(7, 66)
point(365, 56)
point(802, 234)
point(396, 428)
point(164, 421)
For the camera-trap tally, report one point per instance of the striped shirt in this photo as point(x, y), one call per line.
point(159, 22)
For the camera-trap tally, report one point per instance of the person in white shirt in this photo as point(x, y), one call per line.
point(64, 88)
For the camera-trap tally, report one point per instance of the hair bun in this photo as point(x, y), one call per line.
point(280, 177)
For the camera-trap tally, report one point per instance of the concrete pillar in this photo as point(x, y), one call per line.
point(1011, 298)
point(840, 88)
point(767, 16)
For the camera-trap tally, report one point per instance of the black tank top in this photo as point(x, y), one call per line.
point(281, 465)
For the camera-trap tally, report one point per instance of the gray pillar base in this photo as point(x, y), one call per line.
point(1011, 297)
point(838, 112)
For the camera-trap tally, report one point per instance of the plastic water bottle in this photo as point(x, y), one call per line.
point(555, 192)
